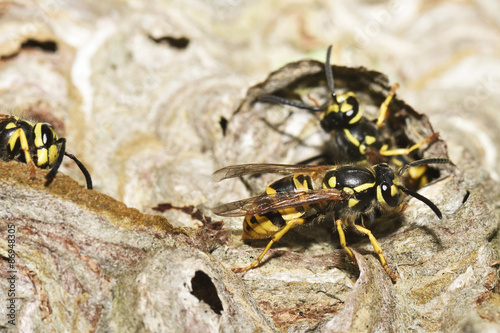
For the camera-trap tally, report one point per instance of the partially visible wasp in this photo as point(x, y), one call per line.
point(37, 145)
point(346, 194)
point(355, 135)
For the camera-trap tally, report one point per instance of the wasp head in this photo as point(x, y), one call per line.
point(388, 186)
point(341, 114)
point(47, 145)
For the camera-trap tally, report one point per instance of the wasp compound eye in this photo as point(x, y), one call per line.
point(351, 105)
point(390, 194)
point(47, 135)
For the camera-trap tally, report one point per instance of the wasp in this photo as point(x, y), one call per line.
point(37, 145)
point(347, 194)
point(355, 135)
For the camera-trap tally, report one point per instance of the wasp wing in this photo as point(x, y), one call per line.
point(265, 203)
point(253, 169)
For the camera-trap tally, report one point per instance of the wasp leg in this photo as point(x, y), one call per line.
point(407, 151)
point(19, 133)
point(418, 175)
point(378, 249)
point(343, 243)
point(385, 105)
point(276, 237)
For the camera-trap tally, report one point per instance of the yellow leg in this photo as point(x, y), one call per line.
point(378, 249)
point(407, 151)
point(385, 105)
point(276, 237)
point(19, 133)
point(343, 243)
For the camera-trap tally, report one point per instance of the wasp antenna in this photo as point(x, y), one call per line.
point(52, 173)
point(62, 152)
point(329, 74)
point(424, 161)
point(424, 200)
point(281, 100)
point(84, 170)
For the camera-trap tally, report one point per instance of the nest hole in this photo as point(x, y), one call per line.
point(204, 289)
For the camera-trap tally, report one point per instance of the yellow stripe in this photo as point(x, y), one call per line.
point(394, 190)
point(343, 97)
point(353, 202)
point(270, 190)
point(370, 139)
point(52, 154)
point(363, 187)
point(13, 139)
point(351, 137)
point(263, 227)
point(289, 214)
point(348, 190)
point(418, 171)
point(10, 125)
point(355, 119)
point(380, 198)
point(298, 185)
point(345, 107)
point(38, 135)
point(42, 157)
point(41, 152)
point(331, 108)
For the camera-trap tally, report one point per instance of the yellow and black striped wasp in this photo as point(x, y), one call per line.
point(37, 145)
point(346, 194)
point(356, 136)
